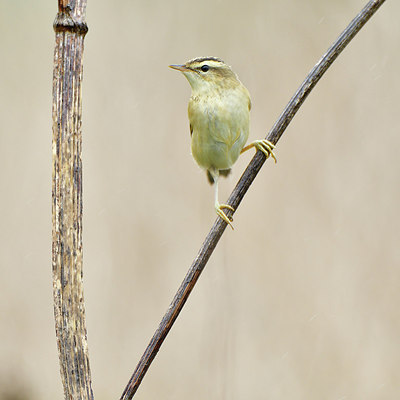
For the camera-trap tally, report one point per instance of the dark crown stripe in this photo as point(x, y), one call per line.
point(201, 59)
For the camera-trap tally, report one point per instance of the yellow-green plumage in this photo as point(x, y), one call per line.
point(219, 123)
point(219, 114)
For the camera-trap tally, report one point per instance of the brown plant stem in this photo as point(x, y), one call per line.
point(69, 311)
point(240, 190)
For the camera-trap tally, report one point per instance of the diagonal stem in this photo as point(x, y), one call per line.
point(240, 190)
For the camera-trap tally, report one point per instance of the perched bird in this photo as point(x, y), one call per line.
point(219, 111)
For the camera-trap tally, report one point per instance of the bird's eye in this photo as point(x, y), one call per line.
point(205, 68)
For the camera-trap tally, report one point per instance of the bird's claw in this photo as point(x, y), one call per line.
point(222, 215)
point(266, 147)
point(263, 145)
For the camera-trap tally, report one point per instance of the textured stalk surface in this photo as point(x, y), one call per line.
point(69, 310)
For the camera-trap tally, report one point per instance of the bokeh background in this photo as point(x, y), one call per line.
point(301, 301)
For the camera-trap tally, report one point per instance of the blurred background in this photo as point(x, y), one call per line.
point(301, 301)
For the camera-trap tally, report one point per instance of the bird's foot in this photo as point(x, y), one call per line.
point(263, 145)
point(222, 215)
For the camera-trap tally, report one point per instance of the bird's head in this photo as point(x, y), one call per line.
point(208, 73)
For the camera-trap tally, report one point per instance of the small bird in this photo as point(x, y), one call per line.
point(219, 113)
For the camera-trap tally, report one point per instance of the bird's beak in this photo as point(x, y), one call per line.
point(179, 67)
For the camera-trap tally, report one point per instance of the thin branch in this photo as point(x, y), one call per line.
point(69, 310)
point(238, 193)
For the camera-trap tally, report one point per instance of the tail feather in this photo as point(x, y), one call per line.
point(223, 172)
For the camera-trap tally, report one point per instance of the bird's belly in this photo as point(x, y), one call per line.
point(219, 148)
point(220, 128)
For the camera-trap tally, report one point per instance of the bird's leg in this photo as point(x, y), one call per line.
point(263, 145)
point(219, 207)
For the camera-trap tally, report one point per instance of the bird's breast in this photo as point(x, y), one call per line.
point(220, 128)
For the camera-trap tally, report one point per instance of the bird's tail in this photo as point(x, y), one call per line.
point(223, 172)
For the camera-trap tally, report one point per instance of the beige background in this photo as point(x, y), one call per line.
point(301, 301)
